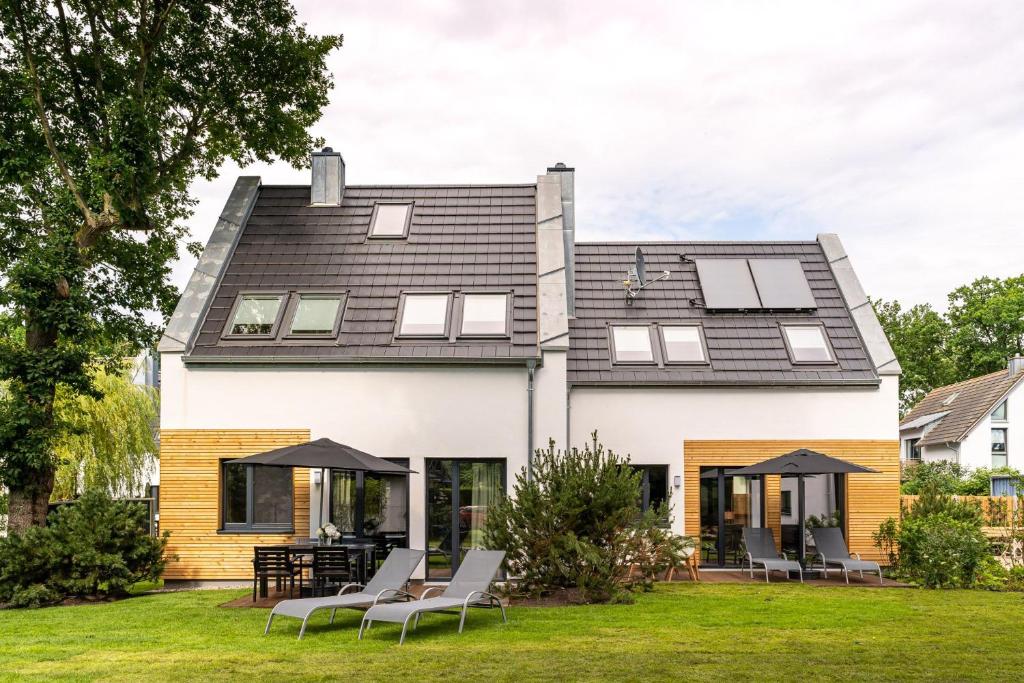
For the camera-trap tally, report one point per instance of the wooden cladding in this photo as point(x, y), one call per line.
point(190, 501)
point(870, 498)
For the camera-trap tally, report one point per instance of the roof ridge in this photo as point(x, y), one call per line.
point(402, 186)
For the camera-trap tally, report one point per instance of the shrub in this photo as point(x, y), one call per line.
point(577, 524)
point(950, 478)
point(96, 547)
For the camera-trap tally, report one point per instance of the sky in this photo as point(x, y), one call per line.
point(899, 126)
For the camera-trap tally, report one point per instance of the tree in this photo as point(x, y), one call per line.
point(105, 443)
point(919, 338)
point(986, 320)
point(110, 109)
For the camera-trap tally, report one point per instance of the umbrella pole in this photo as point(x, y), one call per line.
point(323, 488)
point(800, 505)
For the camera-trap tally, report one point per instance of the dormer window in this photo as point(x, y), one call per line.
point(807, 344)
point(390, 220)
point(424, 315)
point(632, 344)
point(316, 315)
point(485, 315)
point(256, 315)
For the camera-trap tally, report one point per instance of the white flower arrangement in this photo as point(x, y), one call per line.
point(328, 531)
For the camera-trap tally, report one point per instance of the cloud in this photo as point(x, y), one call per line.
point(896, 125)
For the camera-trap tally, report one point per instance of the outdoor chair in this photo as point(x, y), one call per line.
point(387, 584)
point(761, 550)
point(830, 546)
point(331, 564)
point(468, 588)
point(274, 562)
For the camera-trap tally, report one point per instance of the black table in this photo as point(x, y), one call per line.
point(363, 550)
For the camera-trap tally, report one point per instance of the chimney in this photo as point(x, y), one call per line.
point(1015, 365)
point(328, 184)
point(567, 176)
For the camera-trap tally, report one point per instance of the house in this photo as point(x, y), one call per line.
point(968, 422)
point(457, 328)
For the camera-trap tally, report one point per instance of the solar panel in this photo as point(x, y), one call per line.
point(727, 284)
point(781, 284)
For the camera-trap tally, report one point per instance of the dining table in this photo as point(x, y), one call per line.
point(363, 551)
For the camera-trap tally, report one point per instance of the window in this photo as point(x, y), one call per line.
point(632, 344)
point(256, 315)
point(683, 344)
point(654, 489)
point(807, 344)
point(485, 314)
point(316, 314)
point(999, 447)
point(256, 498)
point(424, 315)
point(913, 452)
point(999, 414)
point(390, 220)
point(786, 504)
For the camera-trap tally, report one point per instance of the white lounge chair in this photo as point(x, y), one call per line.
point(387, 585)
point(468, 588)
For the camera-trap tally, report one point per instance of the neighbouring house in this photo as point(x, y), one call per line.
point(969, 422)
point(456, 328)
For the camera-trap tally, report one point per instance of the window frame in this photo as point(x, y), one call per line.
point(400, 317)
point(1004, 419)
point(833, 360)
point(785, 503)
point(295, 299)
point(283, 299)
point(460, 323)
point(249, 527)
point(912, 448)
point(614, 351)
point(700, 338)
point(408, 219)
point(1006, 446)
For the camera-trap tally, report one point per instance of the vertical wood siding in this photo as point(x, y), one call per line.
point(190, 499)
point(870, 498)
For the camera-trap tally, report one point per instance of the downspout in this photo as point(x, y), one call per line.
point(531, 366)
point(950, 447)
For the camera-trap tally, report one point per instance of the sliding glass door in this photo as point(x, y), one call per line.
point(459, 495)
point(370, 504)
point(727, 504)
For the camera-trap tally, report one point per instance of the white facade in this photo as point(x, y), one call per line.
point(975, 450)
point(652, 425)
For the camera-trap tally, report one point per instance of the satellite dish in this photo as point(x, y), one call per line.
point(636, 277)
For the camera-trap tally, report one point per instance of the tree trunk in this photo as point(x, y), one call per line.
point(27, 506)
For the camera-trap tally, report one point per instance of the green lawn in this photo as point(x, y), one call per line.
point(681, 631)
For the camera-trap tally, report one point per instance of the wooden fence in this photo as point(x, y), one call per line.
point(998, 510)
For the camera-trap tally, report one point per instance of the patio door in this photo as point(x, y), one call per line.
point(727, 504)
point(369, 504)
point(459, 495)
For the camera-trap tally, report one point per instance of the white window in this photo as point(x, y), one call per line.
point(999, 448)
point(424, 315)
point(632, 344)
point(485, 314)
point(999, 414)
point(315, 314)
point(807, 344)
point(682, 344)
point(390, 220)
point(256, 314)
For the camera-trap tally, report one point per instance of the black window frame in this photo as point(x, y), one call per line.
point(408, 219)
point(293, 308)
point(359, 513)
point(248, 526)
point(645, 490)
point(785, 503)
point(833, 359)
point(283, 304)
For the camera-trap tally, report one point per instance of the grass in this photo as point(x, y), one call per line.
point(680, 631)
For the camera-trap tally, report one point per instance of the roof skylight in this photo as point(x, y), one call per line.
point(632, 344)
point(390, 220)
point(807, 344)
point(424, 315)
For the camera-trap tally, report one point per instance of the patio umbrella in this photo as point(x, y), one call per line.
point(801, 463)
point(325, 455)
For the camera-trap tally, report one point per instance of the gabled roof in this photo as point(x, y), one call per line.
point(975, 398)
point(464, 237)
point(743, 348)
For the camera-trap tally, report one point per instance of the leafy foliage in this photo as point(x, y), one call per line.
point(96, 547)
point(919, 338)
point(950, 478)
point(110, 110)
point(577, 524)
